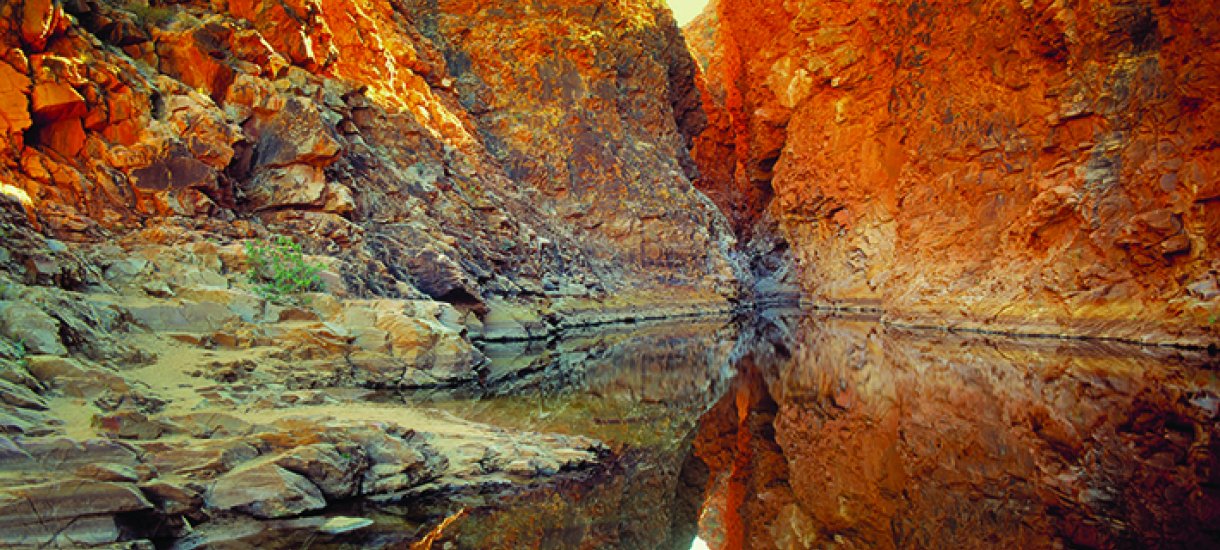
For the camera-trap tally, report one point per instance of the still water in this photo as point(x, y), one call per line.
point(791, 430)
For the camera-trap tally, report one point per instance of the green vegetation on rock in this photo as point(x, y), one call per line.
point(279, 269)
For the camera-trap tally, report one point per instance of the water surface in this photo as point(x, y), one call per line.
point(791, 430)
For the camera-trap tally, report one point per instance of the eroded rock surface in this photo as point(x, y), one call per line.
point(381, 134)
point(1027, 166)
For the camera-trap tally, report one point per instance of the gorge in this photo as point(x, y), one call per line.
point(561, 274)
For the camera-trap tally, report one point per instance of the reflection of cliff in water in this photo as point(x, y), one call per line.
point(846, 432)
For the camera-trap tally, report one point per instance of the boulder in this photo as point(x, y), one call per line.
point(39, 19)
point(37, 331)
point(172, 497)
point(14, 100)
point(190, 316)
point(106, 471)
point(65, 136)
point(59, 455)
point(335, 470)
point(264, 491)
point(196, 55)
point(78, 512)
point(54, 101)
point(297, 185)
point(206, 458)
point(177, 169)
point(342, 524)
point(295, 135)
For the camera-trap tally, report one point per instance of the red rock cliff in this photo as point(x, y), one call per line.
point(464, 150)
point(1029, 166)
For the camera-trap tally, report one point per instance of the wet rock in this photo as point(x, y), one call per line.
point(264, 491)
point(342, 524)
point(506, 321)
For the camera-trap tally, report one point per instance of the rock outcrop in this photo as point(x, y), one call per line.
point(1017, 166)
point(430, 151)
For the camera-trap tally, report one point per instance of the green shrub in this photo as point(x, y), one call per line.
point(279, 269)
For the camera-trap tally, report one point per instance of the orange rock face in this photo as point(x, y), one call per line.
point(456, 149)
point(1001, 165)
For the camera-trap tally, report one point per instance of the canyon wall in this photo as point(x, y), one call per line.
point(1033, 166)
point(460, 151)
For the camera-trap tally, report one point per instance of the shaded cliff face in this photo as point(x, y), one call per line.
point(1000, 164)
point(454, 150)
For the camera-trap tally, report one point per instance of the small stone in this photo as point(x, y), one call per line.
point(157, 289)
point(343, 524)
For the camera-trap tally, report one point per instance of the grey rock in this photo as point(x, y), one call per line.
point(74, 511)
point(264, 491)
point(20, 396)
point(343, 524)
point(37, 331)
point(335, 470)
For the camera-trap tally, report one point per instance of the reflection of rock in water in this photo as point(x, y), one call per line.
point(641, 391)
point(883, 438)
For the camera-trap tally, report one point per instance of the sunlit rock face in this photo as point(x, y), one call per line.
point(451, 149)
point(865, 437)
point(590, 105)
point(1020, 165)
